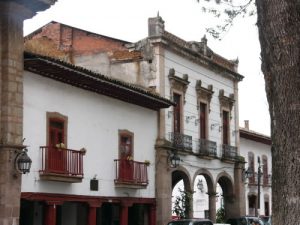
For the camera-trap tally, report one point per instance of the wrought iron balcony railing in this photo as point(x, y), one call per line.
point(229, 152)
point(181, 141)
point(62, 161)
point(207, 148)
point(265, 180)
point(131, 172)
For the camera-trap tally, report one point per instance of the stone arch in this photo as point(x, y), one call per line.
point(210, 189)
point(208, 177)
point(181, 174)
point(226, 183)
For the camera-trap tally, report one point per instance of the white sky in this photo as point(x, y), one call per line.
point(128, 20)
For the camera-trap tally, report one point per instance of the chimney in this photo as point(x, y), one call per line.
point(156, 26)
point(204, 42)
point(246, 124)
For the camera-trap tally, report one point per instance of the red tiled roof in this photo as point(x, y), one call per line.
point(89, 80)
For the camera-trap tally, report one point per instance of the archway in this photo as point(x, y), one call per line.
point(225, 194)
point(202, 186)
point(181, 184)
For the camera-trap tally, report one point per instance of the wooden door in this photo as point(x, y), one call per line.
point(203, 120)
point(126, 157)
point(225, 127)
point(56, 156)
point(177, 113)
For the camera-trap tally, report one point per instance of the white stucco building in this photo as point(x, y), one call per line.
point(200, 132)
point(91, 140)
point(256, 148)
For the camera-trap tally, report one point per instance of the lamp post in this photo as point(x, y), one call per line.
point(258, 186)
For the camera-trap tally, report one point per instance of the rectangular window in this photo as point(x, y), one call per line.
point(203, 120)
point(225, 127)
point(177, 113)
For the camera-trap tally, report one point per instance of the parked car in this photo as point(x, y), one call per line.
point(245, 220)
point(266, 219)
point(191, 222)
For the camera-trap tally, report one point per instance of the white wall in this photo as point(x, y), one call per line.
point(258, 149)
point(93, 123)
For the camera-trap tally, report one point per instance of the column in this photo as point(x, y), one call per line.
point(124, 212)
point(11, 104)
point(152, 214)
point(212, 206)
point(92, 215)
point(50, 212)
point(12, 15)
point(163, 180)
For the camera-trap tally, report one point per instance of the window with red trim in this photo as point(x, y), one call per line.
point(203, 120)
point(177, 113)
point(225, 127)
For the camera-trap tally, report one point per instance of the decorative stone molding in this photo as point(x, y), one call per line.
point(204, 94)
point(226, 102)
point(177, 83)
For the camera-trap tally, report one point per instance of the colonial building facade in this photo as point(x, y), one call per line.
point(91, 140)
point(197, 136)
point(256, 148)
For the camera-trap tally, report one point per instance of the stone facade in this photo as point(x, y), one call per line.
point(11, 101)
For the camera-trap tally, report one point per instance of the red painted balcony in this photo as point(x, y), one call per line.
point(61, 164)
point(131, 174)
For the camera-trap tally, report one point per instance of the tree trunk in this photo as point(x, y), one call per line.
point(279, 34)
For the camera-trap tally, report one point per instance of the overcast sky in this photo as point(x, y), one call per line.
point(127, 20)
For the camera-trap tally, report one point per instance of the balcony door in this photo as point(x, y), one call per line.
point(126, 157)
point(203, 121)
point(56, 156)
point(225, 127)
point(177, 113)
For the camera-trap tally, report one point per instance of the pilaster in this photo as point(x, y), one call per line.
point(11, 101)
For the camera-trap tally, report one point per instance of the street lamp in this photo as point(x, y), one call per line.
point(174, 160)
point(258, 186)
point(23, 162)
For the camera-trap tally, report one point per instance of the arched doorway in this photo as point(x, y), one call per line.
point(225, 195)
point(182, 195)
point(203, 186)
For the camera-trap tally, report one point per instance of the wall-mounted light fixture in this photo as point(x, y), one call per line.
point(197, 121)
point(247, 173)
point(174, 160)
point(23, 162)
point(212, 126)
point(170, 113)
point(188, 118)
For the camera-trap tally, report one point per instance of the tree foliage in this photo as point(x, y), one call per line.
point(278, 23)
point(220, 215)
point(226, 11)
point(182, 205)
